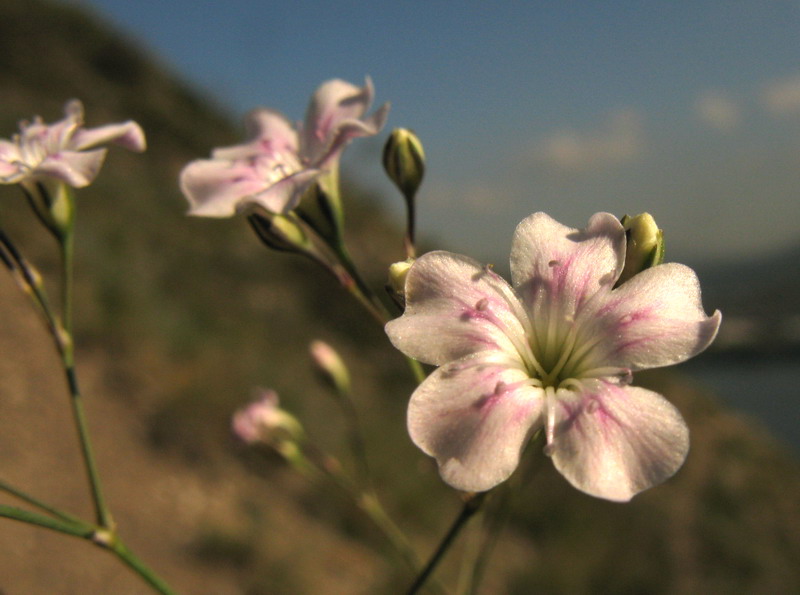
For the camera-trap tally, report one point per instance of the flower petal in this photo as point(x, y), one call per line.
point(76, 168)
point(350, 129)
point(475, 416)
point(654, 319)
point(271, 134)
point(614, 441)
point(567, 265)
point(10, 162)
point(284, 195)
point(126, 134)
point(215, 188)
point(454, 307)
point(334, 105)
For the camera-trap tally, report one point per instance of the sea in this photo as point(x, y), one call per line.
point(765, 389)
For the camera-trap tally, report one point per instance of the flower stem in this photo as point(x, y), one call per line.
point(66, 345)
point(99, 536)
point(75, 528)
point(51, 510)
point(134, 563)
point(471, 506)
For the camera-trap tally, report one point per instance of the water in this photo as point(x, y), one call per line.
point(765, 389)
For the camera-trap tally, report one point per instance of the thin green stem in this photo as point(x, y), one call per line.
point(134, 563)
point(74, 528)
point(76, 401)
point(355, 437)
point(471, 506)
point(349, 265)
point(367, 501)
point(51, 510)
point(408, 240)
point(99, 536)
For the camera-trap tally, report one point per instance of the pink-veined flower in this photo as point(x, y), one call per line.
point(279, 161)
point(64, 151)
point(555, 350)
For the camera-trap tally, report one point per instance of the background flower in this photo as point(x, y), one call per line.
point(61, 151)
point(280, 162)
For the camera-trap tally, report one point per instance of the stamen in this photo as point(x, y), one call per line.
point(624, 374)
point(524, 348)
point(566, 351)
point(577, 357)
point(550, 405)
point(572, 384)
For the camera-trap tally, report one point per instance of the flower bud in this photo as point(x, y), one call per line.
point(54, 205)
point(332, 368)
point(397, 277)
point(62, 208)
point(404, 161)
point(280, 232)
point(264, 422)
point(321, 210)
point(645, 245)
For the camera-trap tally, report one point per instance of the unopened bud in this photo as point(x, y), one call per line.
point(397, 276)
point(321, 210)
point(62, 208)
point(264, 422)
point(644, 245)
point(331, 366)
point(54, 204)
point(404, 161)
point(280, 232)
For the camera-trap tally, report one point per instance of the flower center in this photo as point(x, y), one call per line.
point(562, 353)
point(276, 166)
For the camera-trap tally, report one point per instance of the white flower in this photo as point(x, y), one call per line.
point(61, 151)
point(555, 351)
point(279, 162)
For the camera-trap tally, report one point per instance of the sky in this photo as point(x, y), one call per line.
point(687, 110)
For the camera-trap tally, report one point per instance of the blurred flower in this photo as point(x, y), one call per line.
point(61, 151)
point(263, 421)
point(556, 351)
point(331, 366)
point(279, 163)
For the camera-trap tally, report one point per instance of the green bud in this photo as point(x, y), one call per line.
point(280, 232)
point(645, 245)
point(404, 161)
point(397, 275)
point(321, 210)
point(54, 205)
point(62, 208)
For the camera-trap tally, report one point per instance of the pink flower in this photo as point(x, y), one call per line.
point(280, 162)
point(61, 151)
point(555, 351)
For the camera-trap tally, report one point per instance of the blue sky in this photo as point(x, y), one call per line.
point(688, 110)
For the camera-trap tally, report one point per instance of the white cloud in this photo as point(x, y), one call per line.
point(782, 97)
point(718, 111)
point(619, 139)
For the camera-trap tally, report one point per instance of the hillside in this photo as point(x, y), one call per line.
point(180, 318)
